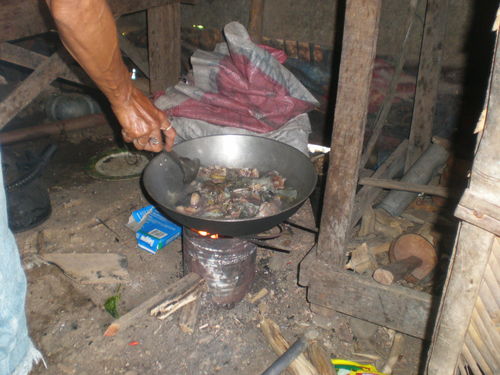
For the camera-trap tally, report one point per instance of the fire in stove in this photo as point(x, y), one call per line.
point(227, 264)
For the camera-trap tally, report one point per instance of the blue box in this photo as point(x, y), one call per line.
point(152, 230)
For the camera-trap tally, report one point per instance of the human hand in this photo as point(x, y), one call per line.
point(143, 123)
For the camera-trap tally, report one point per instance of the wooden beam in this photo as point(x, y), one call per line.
point(24, 18)
point(427, 79)
point(29, 89)
point(356, 66)
point(164, 46)
point(29, 59)
point(402, 309)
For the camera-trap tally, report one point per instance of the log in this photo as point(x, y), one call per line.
point(429, 72)
point(256, 20)
point(362, 259)
point(356, 67)
point(396, 271)
point(186, 285)
point(189, 314)
point(440, 191)
point(164, 46)
point(272, 333)
point(368, 194)
point(29, 89)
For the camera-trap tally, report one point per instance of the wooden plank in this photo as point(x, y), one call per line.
point(190, 282)
point(479, 212)
point(440, 191)
point(402, 309)
point(29, 59)
point(427, 79)
point(164, 45)
point(256, 20)
point(29, 89)
point(23, 18)
point(356, 66)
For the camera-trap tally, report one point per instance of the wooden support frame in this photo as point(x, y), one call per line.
point(476, 247)
point(356, 66)
point(164, 46)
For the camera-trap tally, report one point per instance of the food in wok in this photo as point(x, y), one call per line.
point(236, 193)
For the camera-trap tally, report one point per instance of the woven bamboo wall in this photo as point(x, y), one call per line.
point(481, 352)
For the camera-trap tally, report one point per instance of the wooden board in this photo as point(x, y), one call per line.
point(164, 46)
point(256, 20)
point(356, 67)
point(402, 309)
point(23, 18)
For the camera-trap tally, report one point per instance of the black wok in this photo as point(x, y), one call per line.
point(162, 178)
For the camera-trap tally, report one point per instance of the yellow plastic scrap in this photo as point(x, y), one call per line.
point(344, 367)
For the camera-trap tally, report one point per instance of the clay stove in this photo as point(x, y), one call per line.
point(226, 263)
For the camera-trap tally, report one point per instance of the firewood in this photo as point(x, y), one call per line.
point(396, 271)
point(301, 365)
point(396, 349)
point(362, 259)
point(189, 314)
point(184, 286)
point(175, 302)
point(320, 359)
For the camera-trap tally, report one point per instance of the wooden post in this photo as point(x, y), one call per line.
point(427, 80)
point(474, 244)
point(256, 20)
point(164, 45)
point(29, 89)
point(358, 53)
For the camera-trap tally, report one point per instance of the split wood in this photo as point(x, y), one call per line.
point(301, 365)
point(185, 286)
point(189, 314)
point(320, 359)
point(396, 349)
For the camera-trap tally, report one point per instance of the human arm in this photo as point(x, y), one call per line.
point(88, 30)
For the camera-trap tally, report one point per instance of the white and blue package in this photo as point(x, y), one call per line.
point(152, 230)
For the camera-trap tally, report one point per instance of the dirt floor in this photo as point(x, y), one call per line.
point(67, 319)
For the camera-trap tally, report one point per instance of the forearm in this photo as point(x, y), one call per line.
point(88, 31)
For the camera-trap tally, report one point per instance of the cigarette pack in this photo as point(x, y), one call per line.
point(153, 231)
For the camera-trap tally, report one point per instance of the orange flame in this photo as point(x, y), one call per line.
point(206, 234)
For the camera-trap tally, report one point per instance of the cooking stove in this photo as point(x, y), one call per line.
point(226, 263)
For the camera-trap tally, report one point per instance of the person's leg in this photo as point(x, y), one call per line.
point(17, 353)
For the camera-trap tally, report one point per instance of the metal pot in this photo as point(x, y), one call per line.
point(163, 178)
